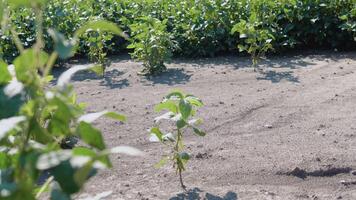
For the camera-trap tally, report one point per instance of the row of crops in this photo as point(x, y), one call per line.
point(196, 27)
point(41, 124)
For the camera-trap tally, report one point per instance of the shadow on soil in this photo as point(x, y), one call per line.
point(194, 194)
point(328, 172)
point(171, 77)
point(112, 78)
point(276, 77)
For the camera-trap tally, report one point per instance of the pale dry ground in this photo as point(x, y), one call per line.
point(260, 127)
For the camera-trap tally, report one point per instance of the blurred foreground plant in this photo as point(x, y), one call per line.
point(35, 119)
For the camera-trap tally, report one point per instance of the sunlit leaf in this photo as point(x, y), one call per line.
point(90, 135)
point(5, 76)
point(89, 118)
point(62, 46)
point(52, 159)
point(101, 25)
point(166, 105)
point(156, 135)
point(65, 78)
point(8, 124)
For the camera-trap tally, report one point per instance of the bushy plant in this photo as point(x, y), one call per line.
point(182, 110)
point(256, 41)
point(36, 119)
point(200, 28)
point(152, 44)
point(97, 52)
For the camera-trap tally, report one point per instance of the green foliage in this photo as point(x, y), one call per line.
point(256, 40)
point(36, 119)
point(200, 28)
point(152, 44)
point(182, 111)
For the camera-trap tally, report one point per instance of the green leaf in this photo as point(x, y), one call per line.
point(5, 76)
point(116, 116)
point(166, 105)
point(64, 175)
point(194, 100)
point(162, 162)
point(38, 133)
point(184, 156)
point(181, 124)
point(63, 47)
point(90, 135)
point(185, 109)
point(83, 151)
point(198, 132)
point(155, 131)
point(83, 174)
point(175, 94)
point(27, 64)
point(101, 25)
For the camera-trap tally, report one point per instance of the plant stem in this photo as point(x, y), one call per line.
point(44, 186)
point(181, 180)
point(177, 149)
point(50, 63)
point(17, 40)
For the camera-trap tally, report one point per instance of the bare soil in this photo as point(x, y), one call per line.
point(287, 133)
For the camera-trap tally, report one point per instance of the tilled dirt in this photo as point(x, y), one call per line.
point(287, 133)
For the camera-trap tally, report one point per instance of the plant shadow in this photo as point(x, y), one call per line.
point(195, 194)
point(110, 80)
point(171, 76)
point(276, 77)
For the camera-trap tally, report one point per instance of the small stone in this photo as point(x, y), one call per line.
point(268, 126)
point(353, 172)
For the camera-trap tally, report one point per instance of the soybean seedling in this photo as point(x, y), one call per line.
point(181, 109)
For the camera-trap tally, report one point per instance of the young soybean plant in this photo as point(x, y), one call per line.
point(152, 44)
point(181, 109)
point(257, 41)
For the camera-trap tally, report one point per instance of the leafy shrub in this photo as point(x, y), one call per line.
point(257, 41)
point(36, 120)
point(152, 44)
point(181, 109)
point(200, 28)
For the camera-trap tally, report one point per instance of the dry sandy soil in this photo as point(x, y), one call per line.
point(287, 133)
